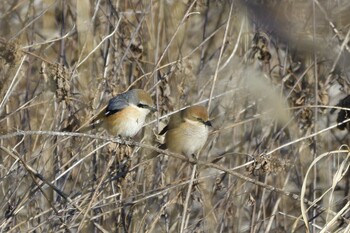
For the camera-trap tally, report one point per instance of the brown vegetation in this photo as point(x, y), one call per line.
point(268, 71)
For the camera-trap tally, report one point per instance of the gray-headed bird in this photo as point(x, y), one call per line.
point(125, 113)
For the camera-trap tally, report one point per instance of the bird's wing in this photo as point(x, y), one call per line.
point(164, 130)
point(116, 104)
point(342, 103)
point(175, 121)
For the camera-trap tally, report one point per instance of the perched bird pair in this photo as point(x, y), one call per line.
point(125, 115)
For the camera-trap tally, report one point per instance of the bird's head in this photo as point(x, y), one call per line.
point(141, 99)
point(197, 114)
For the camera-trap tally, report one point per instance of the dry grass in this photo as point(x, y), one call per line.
point(269, 73)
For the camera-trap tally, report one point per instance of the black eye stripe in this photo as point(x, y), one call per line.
point(208, 123)
point(141, 105)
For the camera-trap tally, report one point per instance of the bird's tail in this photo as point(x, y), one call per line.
point(95, 123)
point(92, 126)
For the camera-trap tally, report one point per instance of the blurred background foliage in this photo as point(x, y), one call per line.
point(269, 72)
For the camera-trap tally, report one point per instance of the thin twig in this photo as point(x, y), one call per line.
point(220, 56)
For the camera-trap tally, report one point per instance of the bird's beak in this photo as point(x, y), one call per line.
point(208, 123)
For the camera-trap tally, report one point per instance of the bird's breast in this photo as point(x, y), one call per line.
point(187, 138)
point(125, 123)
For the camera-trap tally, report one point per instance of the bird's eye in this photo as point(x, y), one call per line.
point(141, 105)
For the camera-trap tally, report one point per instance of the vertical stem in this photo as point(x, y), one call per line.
point(315, 113)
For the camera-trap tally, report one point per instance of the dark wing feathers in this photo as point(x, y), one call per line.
point(116, 104)
point(343, 114)
point(174, 122)
point(164, 130)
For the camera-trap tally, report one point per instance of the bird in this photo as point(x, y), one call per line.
point(187, 131)
point(186, 134)
point(125, 113)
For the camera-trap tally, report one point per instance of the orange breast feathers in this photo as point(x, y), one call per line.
point(126, 122)
point(125, 113)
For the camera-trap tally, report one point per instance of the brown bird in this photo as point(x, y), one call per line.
point(187, 131)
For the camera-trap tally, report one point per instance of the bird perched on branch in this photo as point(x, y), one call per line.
point(187, 131)
point(125, 113)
